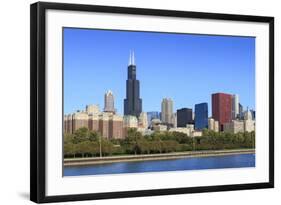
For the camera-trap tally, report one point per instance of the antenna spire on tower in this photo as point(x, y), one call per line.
point(130, 58)
point(133, 58)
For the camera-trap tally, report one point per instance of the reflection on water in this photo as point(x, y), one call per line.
point(217, 162)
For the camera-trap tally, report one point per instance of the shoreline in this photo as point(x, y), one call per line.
point(69, 162)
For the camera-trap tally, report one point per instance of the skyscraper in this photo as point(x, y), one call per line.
point(109, 102)
point(132, 103)
point(201, 116)
point(184, 117)
point(235, 106)
point(241, 112)
point(222, 108)
point(167, 110)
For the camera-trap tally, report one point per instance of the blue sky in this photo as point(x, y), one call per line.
point(187, 68)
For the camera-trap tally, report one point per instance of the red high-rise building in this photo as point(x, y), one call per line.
point(221, 108)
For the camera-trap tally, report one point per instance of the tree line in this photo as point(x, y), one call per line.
point(86, 143)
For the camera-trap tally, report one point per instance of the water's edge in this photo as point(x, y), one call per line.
point(187, 163)
point(152, 157)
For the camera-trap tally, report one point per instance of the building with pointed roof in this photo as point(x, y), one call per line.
point(109, 102)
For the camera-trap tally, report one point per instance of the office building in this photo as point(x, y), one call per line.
point(201, 116)
point(184, 117)
point(222, 108)
point(241, 112)
point(109, 102)
point(132, 103)
point(235, 107)
point(167, 111)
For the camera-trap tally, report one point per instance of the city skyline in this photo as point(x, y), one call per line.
point(153, 93)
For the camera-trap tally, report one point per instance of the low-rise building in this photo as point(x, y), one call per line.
point(143, 122)
point(160, 127)
point(196, 133)
point(249, 125)
point(234, 126)
point(184, 130)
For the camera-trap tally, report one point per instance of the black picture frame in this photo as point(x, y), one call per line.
point(38, 101)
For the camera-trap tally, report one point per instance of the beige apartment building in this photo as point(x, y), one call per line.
point(109, 125)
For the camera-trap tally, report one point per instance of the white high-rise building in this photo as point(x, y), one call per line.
point(235, 106)
point(109, 102)
point(174, 120)
point(167, 110)
point(249, 123)
point(248, 115)
point(213, 124)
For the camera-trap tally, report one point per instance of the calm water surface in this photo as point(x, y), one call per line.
point(217, 162)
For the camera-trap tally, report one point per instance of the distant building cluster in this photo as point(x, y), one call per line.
point(227, 114)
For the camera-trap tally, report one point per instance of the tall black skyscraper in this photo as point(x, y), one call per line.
point(132, 103)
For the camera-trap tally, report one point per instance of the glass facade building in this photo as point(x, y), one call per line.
point(201, 116)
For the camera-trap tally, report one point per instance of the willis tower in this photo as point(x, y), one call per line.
point(132, 103)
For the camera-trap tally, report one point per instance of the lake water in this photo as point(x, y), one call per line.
point(196, 163)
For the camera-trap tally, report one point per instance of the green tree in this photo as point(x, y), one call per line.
point(81, 135)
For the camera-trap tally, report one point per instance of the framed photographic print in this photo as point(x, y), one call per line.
point(129, 102)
